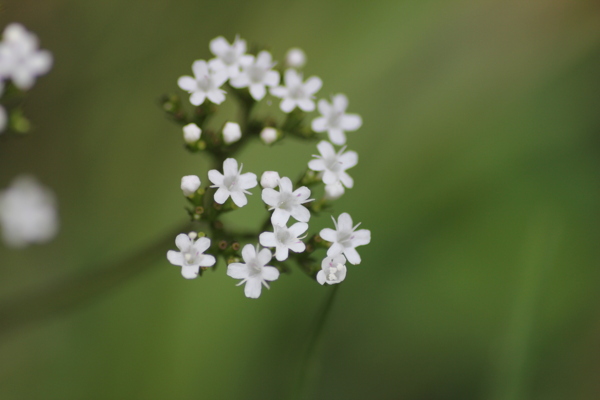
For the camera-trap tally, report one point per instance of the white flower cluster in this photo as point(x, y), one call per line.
point(20, 61)
point(255, 72)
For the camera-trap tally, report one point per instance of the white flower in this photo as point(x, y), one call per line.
point(269, 179)
point(334, 119)
point(206, 83)
point(191, 133)
point(285, 239)
point(189, 184)
point(254, 272)
point(268, 135)
point(286, 203)
point(20, 59)
point(295, 58)
point(345, 239)
point(334, 165)
point(333, 270)
point(27, 213)
point(190, 257)
point(334, 191)
point(3, 119)
point(295, 93)
point(232, 183)
point(231, 132)
point(256, 74)
point(228, 55)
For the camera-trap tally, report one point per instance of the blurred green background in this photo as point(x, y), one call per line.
point(479, 177)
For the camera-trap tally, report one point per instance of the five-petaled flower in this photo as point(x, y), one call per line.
point(334, 165)
point(205, 83)
point(256, 74)
point(334, 119)
point(228, 55)
point(255, 271)
point(190, 256)
point(345, 239)
point(232, 183)
point(295, 93)
point(285, 239)
point(333, 270)
point(287, 202)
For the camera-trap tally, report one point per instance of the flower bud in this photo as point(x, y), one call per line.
point(295, 58)
point(334, 191)
point(191, 133)
point(231, 132)
point(269, 179)
point(269, 135)
point(189, 184)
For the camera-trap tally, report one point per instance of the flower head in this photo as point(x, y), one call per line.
point(345, 239)
point(256, 74)
point(333, 270)
point(27, 213)
point(190, 256)
point(228, 55)
point(232, 183)
point(189, 184)
point(255, 271)
point(334, 119)
point(231, 132)
point(191, 133)
point(205, 83)
point(295, 58)
point(295, 93)
point(287, 203)
point(285, 239)
point(334, 166)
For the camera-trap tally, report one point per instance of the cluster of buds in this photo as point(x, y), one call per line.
point(251, 78)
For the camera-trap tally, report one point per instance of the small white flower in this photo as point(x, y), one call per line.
point(190, 256)
point(334, 165)
point(232, 183)
point(231, 132)
point(285, 239)
point(254, 272)
point(191, 133)
point(334, 191)
point(268, 135)
point(345, 239)
point(205, 83)
point(27, 213)
point(228, 55)
point(287, 203)
point(269, 179)
point(3, 119)
point(189, 184)
point(333, 270)
point(295, 93)
point(256, 74)
point(20, 59)
point(295, 58)
point(334, 119)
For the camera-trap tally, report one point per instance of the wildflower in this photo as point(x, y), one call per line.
point(228, 55)
point(190, 256)
point(334, 119)
point(232, 183)
point(285, 239)
point(27, 213)
point(333, 270)
point(255, 271)
point(345, 239)
point(205, 83)
point(189, 184)
point(191, 133)
point(286, 203)
point(295, 93)
point(334, 165)
point(268, 135)
point(269, 179)
point(256, 74)
point(295, 58)
point(20, 59)
point(231, 132)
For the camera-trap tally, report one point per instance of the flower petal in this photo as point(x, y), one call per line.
point(279, 91)
point(298, 228)
point(190, 272)
point(253, 288)
point(324, 108)
point(183, 242)
point(202, 244)
point(281, 253)
point(337, 136)
point(361, 237)
point(270, 197)
point(335, 249)
point(302, 193)
point(301, 213)
point(316, 165)
point(239, 198)
point(271, 78)
point(297, 247)
point(175, 257)
point(330, 178)
point(306, 105)
point(207, 260)
point(247, 180)
point(197, 98)
point(230, 167)
point(221, 195)
point(215, 177)
point(217, 96)
point(237, 271)
point(326, 149)
point(285, 185)
point(248, 253)
point(240, 81)
point(347, 180)
point(319, 124)
point(340, 102)
point(349, 159)
point(287, 105)
point(187, 83)
point(351, 122)
point(321, 277)
point(352, 255)
point(280, 217)
point(312, 85)
point(264, 256)
point(328, 234)
point(344, 223)
point(267, 239)
point(200, 69)
point(270, 273)
point(292, 78)
point(258, 91)
point(219, 46)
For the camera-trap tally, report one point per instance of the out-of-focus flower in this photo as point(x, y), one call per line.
point(295, 58)
point(334, 119)
point(205, 83)
point(228, 55)
point(231, 132)
point(296, 93)
point(256, 74)
point(268, 135)
point(334, 165)
point(191, 133)
point(190, 256)
point(345, 239)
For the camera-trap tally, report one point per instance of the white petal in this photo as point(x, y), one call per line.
point(351, 122)
point(279, 91)
point(271, 78)
point(340, 103)
point(217, 96)
point(264, 256)
point(319, 124)
point(264, 59)
point(258, 91)
point(237, 271)
point(321, 277)
point(301, 213)
point(281, 253)
point(270, 197)
point(312, 85)
point(240, 81)
point(246, 60)
point(342, 274)
point(200, 69)
point(183, 242)
point(328, 234)
point(253, 288)
point(41, 62)
point(280, 217)
point(361, 237)
point(187, 83)
point(197, 98)
point(298, 228)
point(217, 65)
point(330, 178)
point(221, 195)
point(219, 78)
point(285, 184)
point(324, 107)
point(247, 180)
point(306, 105)
point(347, 180)
point(292, 78)
point(335, 249)
point(189, 272)
point(207, 260)
point(230, 167)
point(270, 273)
point(302, 193)
point(352, 256)
point(202, 244)
point(248, 253)
point(239, 198)
point(267, 239)
point(344, 223)
point(287, 105)
point(349, 159)
point(219, 46)
point(337, 136)
point(175, 257)
point(297, 247)
point(215, 177)
point(326, 149)
point(316, 165)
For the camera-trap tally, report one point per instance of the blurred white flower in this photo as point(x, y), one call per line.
point(255, 271)
point(20, 59)
point(287, 203)
point(28, 213)
point(334, 191)
point(191, 133)
point(232, 183)
point(190, 256)
point(228, 55)
point(334, 119)
point(268, 135)
point(231, 132)
point(333, 166)
point(205, 83)
point(295, 58)
point(189, 184)
point(345, 239)
point(333, 270)
point(256, 74)
point(285, 239)
point(295, 93)
point(269, 179)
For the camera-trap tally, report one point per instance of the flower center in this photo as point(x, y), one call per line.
point(254, 268)
point(256, 74)
point(284, 236)
point(230, 182)
point(229, 57)
point(335, 119)
point(297, 92)
point(286, 201)
point(333, 164)
point(205, 83)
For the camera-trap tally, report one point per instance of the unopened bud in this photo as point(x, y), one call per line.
point(191, 133)
point(269, 179)
point(295, 58)
point(189, 184)
point(269, 135)
point(231, 132)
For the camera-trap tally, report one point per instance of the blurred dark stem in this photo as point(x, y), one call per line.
point(77, 291)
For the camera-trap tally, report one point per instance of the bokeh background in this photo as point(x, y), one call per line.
point(479, 178)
